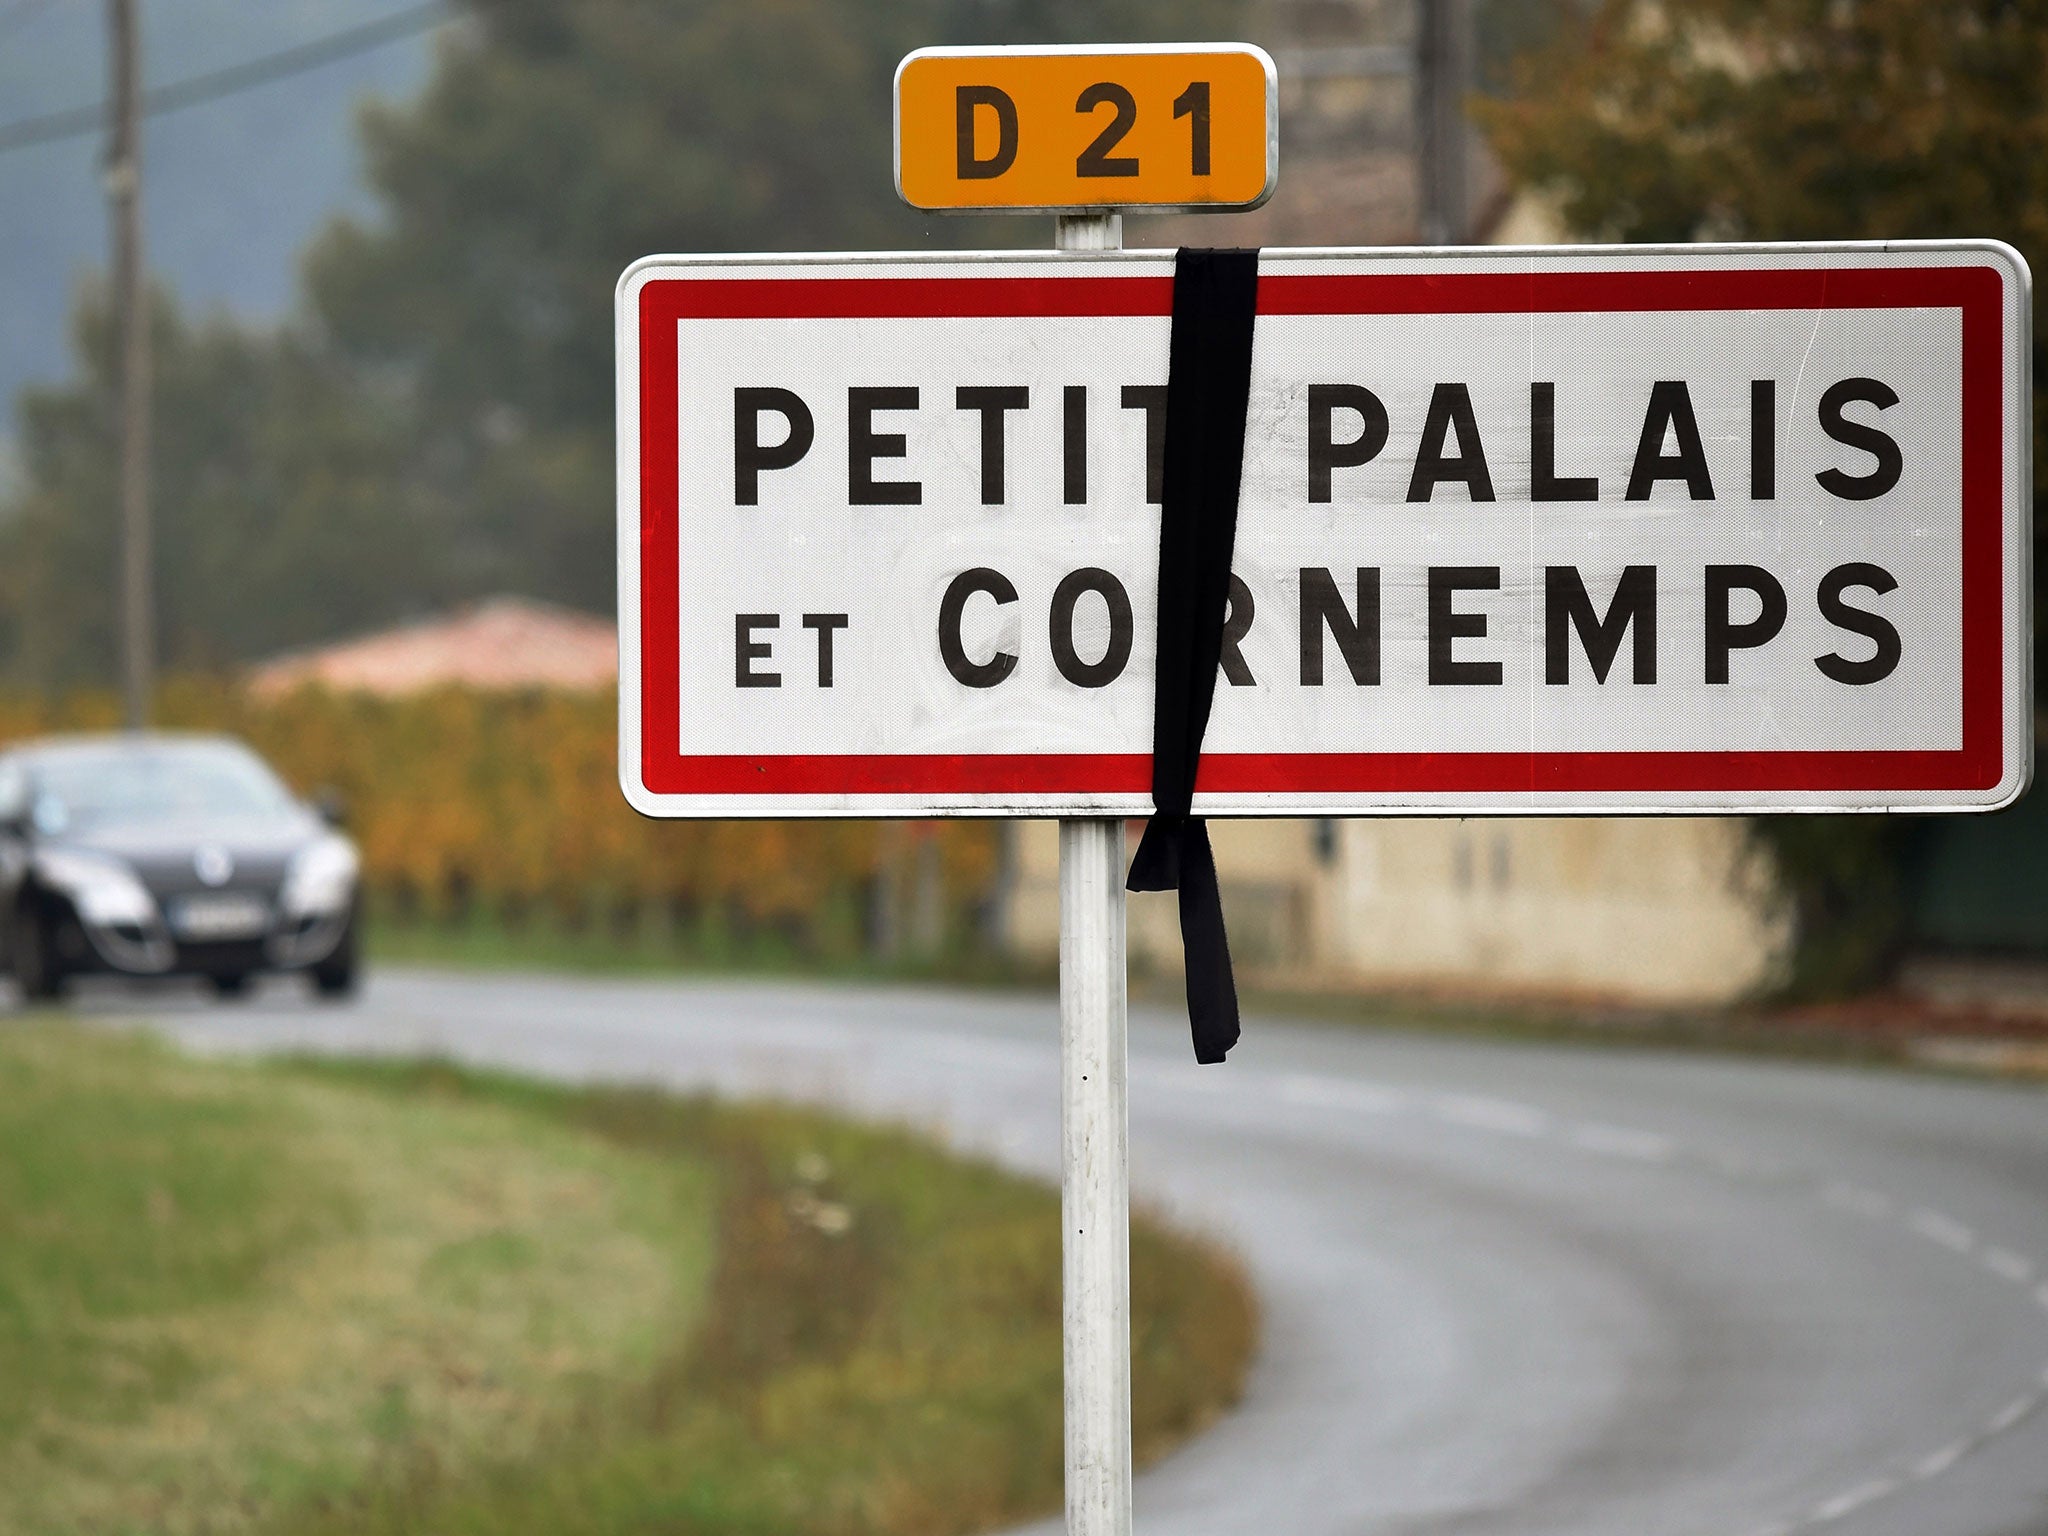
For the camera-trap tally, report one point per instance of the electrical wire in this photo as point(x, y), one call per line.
point(73, 122)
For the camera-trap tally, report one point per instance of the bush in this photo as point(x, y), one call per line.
point(1840, 881)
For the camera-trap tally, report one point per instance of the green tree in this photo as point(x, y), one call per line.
point(1794, 120)
point(1800, 120)
point(555, 145)
point(437, 422)
point(276, 513)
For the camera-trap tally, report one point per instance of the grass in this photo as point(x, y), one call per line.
point(1746, 1031)
point(324, 1297)
point(231, 1289)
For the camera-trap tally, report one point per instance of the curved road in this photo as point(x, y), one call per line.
point(1508, 1289)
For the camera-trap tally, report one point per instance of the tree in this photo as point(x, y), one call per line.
point(558, 143)
point(437, 421)
point(276, 513)
point(1795, 120)
point(1801, 120)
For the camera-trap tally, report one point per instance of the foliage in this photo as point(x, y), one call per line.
point(1801, 120)
point(880, 1354)
point(383, 1298)
point(558, 144)
point(436, 421)
point(1795, 120)
point(509, 802)
point(276, 512)
point(232, 1289)
point(1839, 879)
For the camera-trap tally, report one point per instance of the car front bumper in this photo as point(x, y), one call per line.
point(284, 942)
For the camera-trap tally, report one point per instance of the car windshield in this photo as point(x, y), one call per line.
point(122, 782)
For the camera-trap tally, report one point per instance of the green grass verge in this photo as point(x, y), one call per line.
point(230, 1289)
point(325, 1297)
point(1735, 1031)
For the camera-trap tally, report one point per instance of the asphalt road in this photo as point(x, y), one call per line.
point(1507, 1289)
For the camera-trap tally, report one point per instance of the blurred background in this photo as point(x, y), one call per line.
point(328, 315)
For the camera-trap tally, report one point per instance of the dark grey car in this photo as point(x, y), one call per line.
point(158, 855)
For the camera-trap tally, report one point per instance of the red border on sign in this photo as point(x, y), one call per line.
point(1976, 291)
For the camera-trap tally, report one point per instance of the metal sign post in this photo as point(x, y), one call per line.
point(1095, 1191)
point(1095, 1176)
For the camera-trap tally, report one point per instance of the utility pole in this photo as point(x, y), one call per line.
point(131, 328)
point(1443, 72)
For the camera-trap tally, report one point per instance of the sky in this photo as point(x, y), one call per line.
point(233, 189)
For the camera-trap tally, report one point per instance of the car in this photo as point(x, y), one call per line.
point(159, 854)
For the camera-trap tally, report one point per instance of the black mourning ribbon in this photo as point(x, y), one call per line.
point(1208, 382)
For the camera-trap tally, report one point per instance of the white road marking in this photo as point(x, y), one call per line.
point(1483, 1114)
point(1941, 1460)
point(2007, 1265)
point(1329, 1093)
point(1733, 1165)
point(1862, 1494)
point(1619, 1141)
point(1854, 1197)
point(1507, 1117)
point(2011, 1414)
point(1945, 1230)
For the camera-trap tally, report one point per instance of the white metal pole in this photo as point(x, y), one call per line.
point(1095, 1189)
point(1095, 1198)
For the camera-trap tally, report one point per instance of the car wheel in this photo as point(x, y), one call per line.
point(37, 970)
point(337, 976)
point(231, 984)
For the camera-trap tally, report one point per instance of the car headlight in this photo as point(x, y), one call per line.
point(322, 879)
point(104, 891)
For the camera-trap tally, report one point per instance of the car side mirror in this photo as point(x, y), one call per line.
point(330, 807)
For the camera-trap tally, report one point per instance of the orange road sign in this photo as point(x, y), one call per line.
point(1056, 129)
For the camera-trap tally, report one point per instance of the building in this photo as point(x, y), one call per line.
point(503, 642)
point(1650, 911)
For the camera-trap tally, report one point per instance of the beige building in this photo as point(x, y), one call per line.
point(1656, 911)
point(500, 643)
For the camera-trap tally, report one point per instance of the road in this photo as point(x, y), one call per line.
point(1507, 1289)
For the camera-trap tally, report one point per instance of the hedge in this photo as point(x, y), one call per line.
point(510, 802)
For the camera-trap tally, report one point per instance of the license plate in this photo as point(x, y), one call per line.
point(221, 917)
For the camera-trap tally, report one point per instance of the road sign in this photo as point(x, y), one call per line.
point(1070, 129)
point(1622, 529)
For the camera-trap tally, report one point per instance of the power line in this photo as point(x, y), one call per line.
point(73, 122)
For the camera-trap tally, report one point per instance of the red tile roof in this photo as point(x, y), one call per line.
point(505, 642)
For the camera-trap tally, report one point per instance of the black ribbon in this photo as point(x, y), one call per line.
point(1208, 382)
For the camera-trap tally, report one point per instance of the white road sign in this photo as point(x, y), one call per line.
point(1602, 529)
